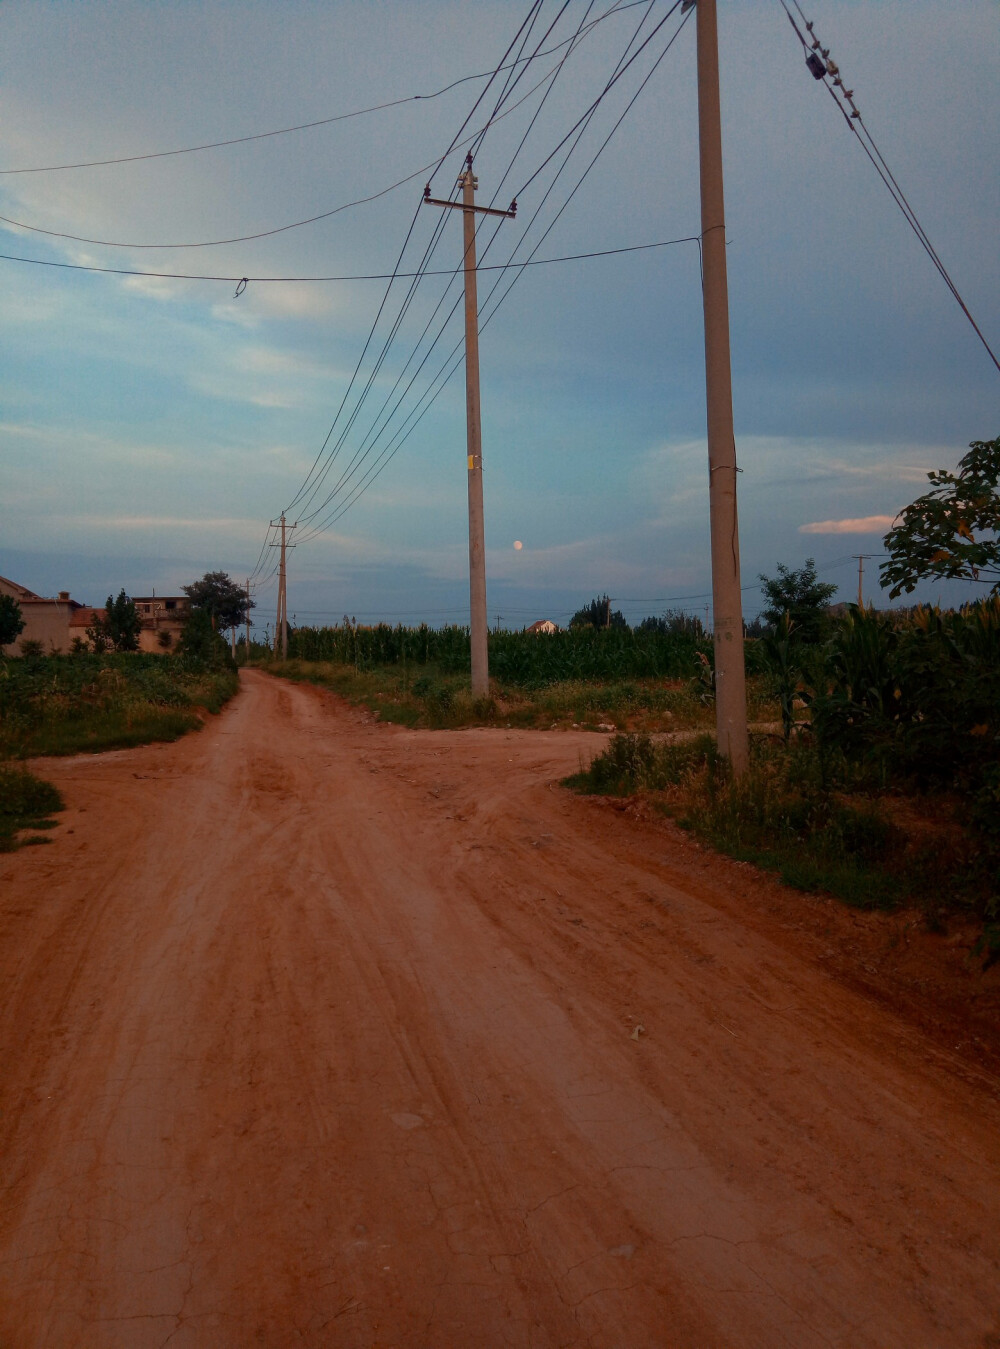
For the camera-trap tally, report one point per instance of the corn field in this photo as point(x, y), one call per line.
point(525, 660)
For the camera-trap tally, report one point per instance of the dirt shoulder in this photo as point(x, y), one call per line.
point(319, 1031)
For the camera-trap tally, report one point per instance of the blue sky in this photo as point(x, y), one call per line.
point(151, 428)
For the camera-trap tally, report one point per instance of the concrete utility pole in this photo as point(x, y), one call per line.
point(477, 540)
point(282, 616)
point(730, 676)
point(248, 620)
point(861, 571)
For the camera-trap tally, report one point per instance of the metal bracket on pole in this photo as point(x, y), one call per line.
point(510, 212)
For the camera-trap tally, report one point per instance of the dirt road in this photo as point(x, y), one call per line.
point(322, 1032)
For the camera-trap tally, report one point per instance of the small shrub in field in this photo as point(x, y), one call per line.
point(632, 763)
point(484, 709)
point(779, 814)
point(25, 803)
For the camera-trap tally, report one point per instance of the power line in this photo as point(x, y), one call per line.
point(278, 229)
point(361, 454)
point(821, 66)
point(613, 81)
point(402, 433)
point(300, 494)
point(302, 126)
point(366, 276)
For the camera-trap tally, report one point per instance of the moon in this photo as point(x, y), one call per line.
point(518, 545)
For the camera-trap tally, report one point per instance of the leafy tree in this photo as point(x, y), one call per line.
point(801, 596)
point(201, 644)
point(674, 621)
point(222, 599)
point(11, 622)
point(118, 628)
point(954, 529)
point(598, 614)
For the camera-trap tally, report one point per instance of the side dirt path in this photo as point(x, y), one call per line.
point(321, 1032)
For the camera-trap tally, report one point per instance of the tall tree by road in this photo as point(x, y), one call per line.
point(221, 597)
point(800, 595)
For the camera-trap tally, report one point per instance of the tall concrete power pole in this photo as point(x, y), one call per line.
point(474, 446)
point(281, 621)
point(861, 576)
point(727, 609)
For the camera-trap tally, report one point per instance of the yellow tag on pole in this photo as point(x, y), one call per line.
point(472, 462)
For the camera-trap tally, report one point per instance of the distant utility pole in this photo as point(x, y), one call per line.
point(477, 541)
point(282, 618)
point(248, 620)
point(730, 676)
point(861, 571)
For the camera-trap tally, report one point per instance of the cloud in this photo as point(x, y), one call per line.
point(168, 522)
point(156, 287)
point(869, 524)
point(97, 448)
point(263, 376)
point(289, 300)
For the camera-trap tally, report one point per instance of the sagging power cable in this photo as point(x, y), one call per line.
point(824, 69)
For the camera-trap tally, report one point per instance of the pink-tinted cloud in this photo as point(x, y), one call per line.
point(869, 524)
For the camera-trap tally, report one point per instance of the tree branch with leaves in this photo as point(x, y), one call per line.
point(952, 531)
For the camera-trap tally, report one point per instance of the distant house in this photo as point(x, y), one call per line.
point(45, 620)
point(543, 625)
point(56, 623)
point(163, 618)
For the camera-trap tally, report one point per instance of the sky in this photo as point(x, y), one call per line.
point(151, 428)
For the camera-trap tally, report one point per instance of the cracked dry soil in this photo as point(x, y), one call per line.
point(320, 1032)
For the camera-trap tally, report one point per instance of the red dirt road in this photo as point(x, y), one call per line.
point(320, 1032)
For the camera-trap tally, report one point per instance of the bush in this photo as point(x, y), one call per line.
point(780, 814)
point(199, 643)
point(25, 803)
point(632, 763)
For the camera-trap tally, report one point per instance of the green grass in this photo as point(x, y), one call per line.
point(813, 819)
point(85, 703)
point(105, 730)
point(427, 695)
point(26, 802)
